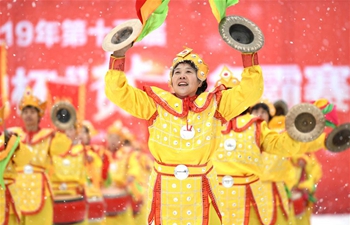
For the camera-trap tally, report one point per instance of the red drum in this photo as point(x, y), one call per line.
point(68, 209)
point(117, 201)
point(298, 203)
point(96, 209)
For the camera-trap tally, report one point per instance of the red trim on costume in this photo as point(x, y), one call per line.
point(193, 175)
point(69, 152)
point(207, 189)
point(116, 63)
point(29, 135)
point(249, 195)
point(152, 119)
point(154, 214)
point(187, 103)
point(247, 207)
point(258, 134)
point(12, 202)
point(232, 125)
point(167, 164)
point(276, 192)
point(250, 59)
point(7, 206)
point(44, 181)
point(40, 167)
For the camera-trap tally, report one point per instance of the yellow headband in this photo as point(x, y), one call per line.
point(115, 128)
point(29, 99)
point(185, 55)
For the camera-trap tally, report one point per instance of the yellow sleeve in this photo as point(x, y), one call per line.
point(22, 155)
point(277, 144)
point(315, 169)
point(234, 101)
point(133, 100)
point(314, 145)
point(134, 167)
point(60, 143)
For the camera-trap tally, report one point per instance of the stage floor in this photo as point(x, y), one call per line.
point(343, 219)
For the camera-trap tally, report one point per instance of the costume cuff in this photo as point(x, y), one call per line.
point(116, 63)
point(250, 59)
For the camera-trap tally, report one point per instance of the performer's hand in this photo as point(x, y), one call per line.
point(121, 53)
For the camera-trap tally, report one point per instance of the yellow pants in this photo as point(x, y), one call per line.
point(304, 219)
point(123, 218)
point(141, 217)
point(13, 220)
point(213, 216)
point(281, 218)
point(44, 217)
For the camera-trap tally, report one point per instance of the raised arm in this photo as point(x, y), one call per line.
point(234, 101)
point(133, 100)
point(277, 143)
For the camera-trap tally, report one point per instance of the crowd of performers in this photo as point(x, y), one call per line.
point(217, 157)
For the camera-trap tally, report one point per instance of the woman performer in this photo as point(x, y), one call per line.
point(184, 133)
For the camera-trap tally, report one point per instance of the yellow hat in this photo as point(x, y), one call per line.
point(90, 127)
point(272, 108)
point(115, 128)
point(127, 135)
point(29, 99)
point(185, 55)
point(227, 78)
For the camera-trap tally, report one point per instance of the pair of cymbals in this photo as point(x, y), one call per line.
point(305, 122)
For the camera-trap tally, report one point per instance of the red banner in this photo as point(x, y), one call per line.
point(305, 57)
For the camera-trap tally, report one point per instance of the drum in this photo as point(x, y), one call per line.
point(96, 210)
point(68, 209)
point(117, 200)
point(298, 203)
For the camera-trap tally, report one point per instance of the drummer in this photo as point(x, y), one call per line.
point(93, 164)
point(68, 182)
point(116, 189)
point(32, 181)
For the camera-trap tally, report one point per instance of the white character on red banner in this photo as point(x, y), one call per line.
point(47, 32)
point(74, 33)
point(331, 82)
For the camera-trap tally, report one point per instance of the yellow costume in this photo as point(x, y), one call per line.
point(32, 181)
point(184, 134)
point(309, 172)
point(12, 155)
point(93, 188)
point(119, 191)
point(238, 162)
point(68, 181)
point(280, 174)
point(140, 207)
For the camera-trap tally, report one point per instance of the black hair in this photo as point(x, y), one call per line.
point(86, 129)
point(262, 106)
point(31, 107)
point(204, 85)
